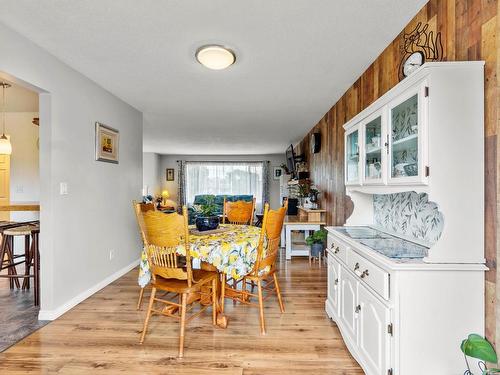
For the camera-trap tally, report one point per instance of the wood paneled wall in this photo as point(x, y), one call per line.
point(470, 31)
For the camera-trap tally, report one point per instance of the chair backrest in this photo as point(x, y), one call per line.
point(270, 235)
point(139, 209)
point(239, 212)
point(165, 234)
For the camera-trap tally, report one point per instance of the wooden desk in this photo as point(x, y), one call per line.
point(21, 206)
point(295, 223)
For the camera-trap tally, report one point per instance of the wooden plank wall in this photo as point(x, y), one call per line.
point(470, 31)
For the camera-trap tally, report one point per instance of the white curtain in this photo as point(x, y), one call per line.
point(225, 178)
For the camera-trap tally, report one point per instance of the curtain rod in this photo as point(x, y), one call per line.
point(224, 161)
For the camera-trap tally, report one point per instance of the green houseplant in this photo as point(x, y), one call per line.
point(317, 242)
point(476, 346)
point(206, 215)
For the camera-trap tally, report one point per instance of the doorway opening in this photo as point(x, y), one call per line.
point(19, 212)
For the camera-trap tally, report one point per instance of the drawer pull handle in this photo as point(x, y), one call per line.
point(364, 274)
point(358, 309)
point(337, 250)
point(356, 266)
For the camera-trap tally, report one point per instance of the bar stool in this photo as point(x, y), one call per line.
point(31, 257)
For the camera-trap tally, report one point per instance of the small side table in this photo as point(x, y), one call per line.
point(292, 223)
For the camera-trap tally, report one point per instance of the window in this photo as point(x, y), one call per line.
point(224, 178)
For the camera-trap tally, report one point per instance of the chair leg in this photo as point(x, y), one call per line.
point(3, 252)
point(235, 287)
point(214, 302)
point(183, 325)
point(222, 292)
point(150, 307)
point(261, 308)
point(10, 255)
point(141, 296)
point(28, 250)
point(278, 292)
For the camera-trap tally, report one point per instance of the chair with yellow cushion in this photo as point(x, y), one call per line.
point(139, 209)
point(166, 233)
point(239, 212)
point(264, 271)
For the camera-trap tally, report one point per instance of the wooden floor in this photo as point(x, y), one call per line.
point(18, 314)
point(101, 335)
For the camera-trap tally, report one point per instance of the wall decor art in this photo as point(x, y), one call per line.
point(106, 143)
point(170, 174)
point(418, 46)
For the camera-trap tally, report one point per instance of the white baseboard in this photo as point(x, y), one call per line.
point(56, 313)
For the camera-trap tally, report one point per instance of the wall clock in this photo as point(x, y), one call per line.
point(412, 63)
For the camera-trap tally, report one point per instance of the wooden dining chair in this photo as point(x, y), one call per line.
point(239, 212)
point(264, 271)
point(139, 209)
point(165, 234)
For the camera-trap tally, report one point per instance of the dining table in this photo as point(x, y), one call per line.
point(232, 250)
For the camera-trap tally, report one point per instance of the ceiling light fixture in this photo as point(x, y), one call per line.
point(215, 57)
point(5, 146)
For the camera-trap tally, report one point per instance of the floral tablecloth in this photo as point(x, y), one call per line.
point(232, 252)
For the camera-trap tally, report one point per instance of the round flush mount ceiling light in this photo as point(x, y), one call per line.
point(215, 57)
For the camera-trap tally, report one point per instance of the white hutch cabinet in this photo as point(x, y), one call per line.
point(406, 272)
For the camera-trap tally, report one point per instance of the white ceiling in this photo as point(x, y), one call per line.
point(294, 60)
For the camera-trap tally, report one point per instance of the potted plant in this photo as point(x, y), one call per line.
point(476, 346)
point(206, 215)
point(303, 191)
point(313, 196)
point(317, 242)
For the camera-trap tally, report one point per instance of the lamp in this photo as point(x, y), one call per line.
point(164, 195)
point(215, 57)
point(5, 145)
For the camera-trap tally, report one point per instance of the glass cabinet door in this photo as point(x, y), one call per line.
point(373, 150)
point(352, 157)
point(405, 123)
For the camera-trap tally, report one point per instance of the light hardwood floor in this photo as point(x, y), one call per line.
point(101, 335)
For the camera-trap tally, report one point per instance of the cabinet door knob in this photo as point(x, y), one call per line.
point(358, 309)
point(356, 266)
point(364, 274)
point(336, 281)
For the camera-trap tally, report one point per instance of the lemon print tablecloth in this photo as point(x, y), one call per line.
point(233, 252)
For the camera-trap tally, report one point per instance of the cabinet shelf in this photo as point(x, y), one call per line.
point(402, 144)
point(374, 150)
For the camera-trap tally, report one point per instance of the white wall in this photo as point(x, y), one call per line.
point(78, 229)
point(151, 176)
point(170, 161)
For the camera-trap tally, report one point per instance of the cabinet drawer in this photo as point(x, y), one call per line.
point(372, 275)
point(337, 248)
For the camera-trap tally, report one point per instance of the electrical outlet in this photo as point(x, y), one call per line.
point(111, 254)
point(20, 189)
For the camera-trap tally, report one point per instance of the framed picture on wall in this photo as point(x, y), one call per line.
point(106, 143)
point(170, 174)
point(277, 171)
